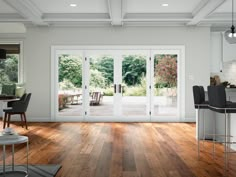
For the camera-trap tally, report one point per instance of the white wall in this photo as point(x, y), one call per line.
point(216, 52)
point(38, 42)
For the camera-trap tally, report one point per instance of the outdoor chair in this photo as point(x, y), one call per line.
point(18, 107)
point(96, 98)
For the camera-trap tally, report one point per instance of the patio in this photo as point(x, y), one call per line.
point(131, 106)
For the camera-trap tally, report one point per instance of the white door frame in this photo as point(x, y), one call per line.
point(163, 118)
point(55, 53)
point(56, 50)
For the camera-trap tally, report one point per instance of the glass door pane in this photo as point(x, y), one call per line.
point(70, 94)
point(134, 87)
point(101, 90)
point(165, 85)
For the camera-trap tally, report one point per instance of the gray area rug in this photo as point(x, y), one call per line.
point(34, 170)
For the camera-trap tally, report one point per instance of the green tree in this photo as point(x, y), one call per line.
point(70, 68)
point(133, 69)
point(9, 69)
point(97, 79)
point(106, 66)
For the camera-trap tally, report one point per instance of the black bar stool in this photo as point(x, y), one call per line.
point(199, 103)
point(218, 103)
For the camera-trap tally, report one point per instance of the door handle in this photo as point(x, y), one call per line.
point(119, 88)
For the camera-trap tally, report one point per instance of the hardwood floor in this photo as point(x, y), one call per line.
point(121, 150)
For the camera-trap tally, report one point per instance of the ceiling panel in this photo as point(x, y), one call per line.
point(134, 12)
point(63, 6)
point(4, 8)
point(226, 7)
point(155, 6)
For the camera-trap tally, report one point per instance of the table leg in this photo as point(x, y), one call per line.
point(27, 157)
point(3, 159)
point(225, 143)
point(13, 158)
point(198, 133)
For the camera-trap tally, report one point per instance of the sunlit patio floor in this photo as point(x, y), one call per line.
point(131, 106)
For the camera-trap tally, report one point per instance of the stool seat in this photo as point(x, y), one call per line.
point(229, 108)
point(218, 103)
point(199, 97)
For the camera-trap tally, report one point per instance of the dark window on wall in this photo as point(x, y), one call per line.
point(9, 68)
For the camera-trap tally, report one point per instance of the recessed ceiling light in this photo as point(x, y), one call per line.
point(165, 5)
point(73, 5)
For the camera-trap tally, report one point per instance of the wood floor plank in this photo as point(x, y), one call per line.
point(105, 161)
point(121, 150)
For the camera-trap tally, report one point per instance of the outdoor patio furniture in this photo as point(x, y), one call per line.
point(96, 98)
point(75, 98)
point(62, 99)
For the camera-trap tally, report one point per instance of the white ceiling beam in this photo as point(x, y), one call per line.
point(158, 16)
point(203, 9)
point(28, 10)
point(115, 11)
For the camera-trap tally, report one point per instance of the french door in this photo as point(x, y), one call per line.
point(117, 85)
point(164, 82)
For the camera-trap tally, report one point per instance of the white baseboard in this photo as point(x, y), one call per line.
point(100, 119)
point(32, 119)
point(191, 119)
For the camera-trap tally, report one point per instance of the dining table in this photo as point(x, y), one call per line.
point(4, 99)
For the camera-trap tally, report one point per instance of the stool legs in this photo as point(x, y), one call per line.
point(227, 139)
point(214, 137)
point(198, 133)
point(204, 132)
point(198, 129)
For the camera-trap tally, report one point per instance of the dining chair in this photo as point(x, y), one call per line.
point(9, 104)
point(18, 107)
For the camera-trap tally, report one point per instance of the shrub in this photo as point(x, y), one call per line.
point(135, 91)
point(108, 91)
point(70, 68)
point(167, 71)
point(97, 79)
point(66, 85)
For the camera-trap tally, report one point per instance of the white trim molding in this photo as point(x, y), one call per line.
point(56, 50)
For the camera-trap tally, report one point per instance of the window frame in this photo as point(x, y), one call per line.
point(20, 62)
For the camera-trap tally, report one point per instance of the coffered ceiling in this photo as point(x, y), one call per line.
point(214, 13)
